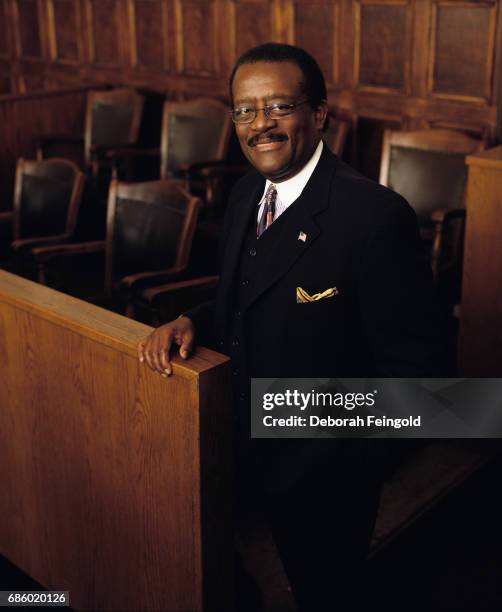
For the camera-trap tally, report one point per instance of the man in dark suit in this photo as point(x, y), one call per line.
point(302, 224)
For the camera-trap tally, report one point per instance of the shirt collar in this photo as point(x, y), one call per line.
point(288, 191)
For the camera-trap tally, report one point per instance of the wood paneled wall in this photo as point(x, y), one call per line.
point(414, 63)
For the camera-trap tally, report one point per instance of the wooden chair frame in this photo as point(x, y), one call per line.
point(440, 140)
point(434, 140)
point(210, 171)
point(139, 191)
point(154, 298)
point(202, 103)
point(105, 95)
point(110, 96)
point(35, 167)
point(129, 284)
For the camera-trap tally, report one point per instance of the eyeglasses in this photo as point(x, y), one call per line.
point(272, 111)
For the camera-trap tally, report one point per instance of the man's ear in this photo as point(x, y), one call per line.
point(321, 114)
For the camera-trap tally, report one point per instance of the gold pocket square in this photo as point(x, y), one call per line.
point(302, 297)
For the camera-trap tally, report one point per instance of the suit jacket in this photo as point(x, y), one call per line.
point(361, 238)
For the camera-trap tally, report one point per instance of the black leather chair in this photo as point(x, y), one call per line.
point(47, 199)
point(428, 168)
point(112, 119)
point(195, 136)
point(150, 228)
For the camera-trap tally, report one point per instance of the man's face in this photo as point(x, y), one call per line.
point(277, 148)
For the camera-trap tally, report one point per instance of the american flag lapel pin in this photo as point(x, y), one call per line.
point(302, 236)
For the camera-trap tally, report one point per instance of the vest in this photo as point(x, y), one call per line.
point(253, 252)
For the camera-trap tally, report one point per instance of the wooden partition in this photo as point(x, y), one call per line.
point(114, 481)
point(480, 341)
point(25, 119)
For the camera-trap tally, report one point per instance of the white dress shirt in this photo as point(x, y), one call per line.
point(290, 190)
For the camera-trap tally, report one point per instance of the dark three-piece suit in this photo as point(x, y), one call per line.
point(344, 231)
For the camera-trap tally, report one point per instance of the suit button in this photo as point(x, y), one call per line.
point(221, 343)
point(235, 342)
point(238, 313)
point(245, 283)
point(242, 396)
point(252, 252)
point(235, 372)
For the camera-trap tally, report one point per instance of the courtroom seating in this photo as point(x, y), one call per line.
point(150, 228)
point(112, 119)
point(194, 137)
point(428, 168)
point(47, 199)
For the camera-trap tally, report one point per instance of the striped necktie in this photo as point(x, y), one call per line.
point(267, 216)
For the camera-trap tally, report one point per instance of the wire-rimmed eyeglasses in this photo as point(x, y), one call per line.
point(272, 111)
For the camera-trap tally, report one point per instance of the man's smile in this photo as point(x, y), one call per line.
point(269, 145)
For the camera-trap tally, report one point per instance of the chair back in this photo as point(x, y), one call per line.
point(150, 227)
point(336, 135)
point(427, 167)
point(46, 198)
point(113, 118)
point(192, 132)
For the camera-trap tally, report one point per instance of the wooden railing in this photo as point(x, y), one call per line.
point(114, 481)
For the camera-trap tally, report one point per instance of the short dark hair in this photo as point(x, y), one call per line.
point(313, 84)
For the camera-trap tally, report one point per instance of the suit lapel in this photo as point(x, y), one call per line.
point(288, 246)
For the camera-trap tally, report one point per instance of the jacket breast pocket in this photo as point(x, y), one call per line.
point(316, 311)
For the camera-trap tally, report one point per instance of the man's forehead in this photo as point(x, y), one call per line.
point(270, 79)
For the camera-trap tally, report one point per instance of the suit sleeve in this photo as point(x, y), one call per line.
point(202, 317)
point(400, 316)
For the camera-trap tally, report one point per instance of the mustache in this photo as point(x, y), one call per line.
point(268, 137)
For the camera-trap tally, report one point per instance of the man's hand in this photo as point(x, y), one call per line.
point(156, 347)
